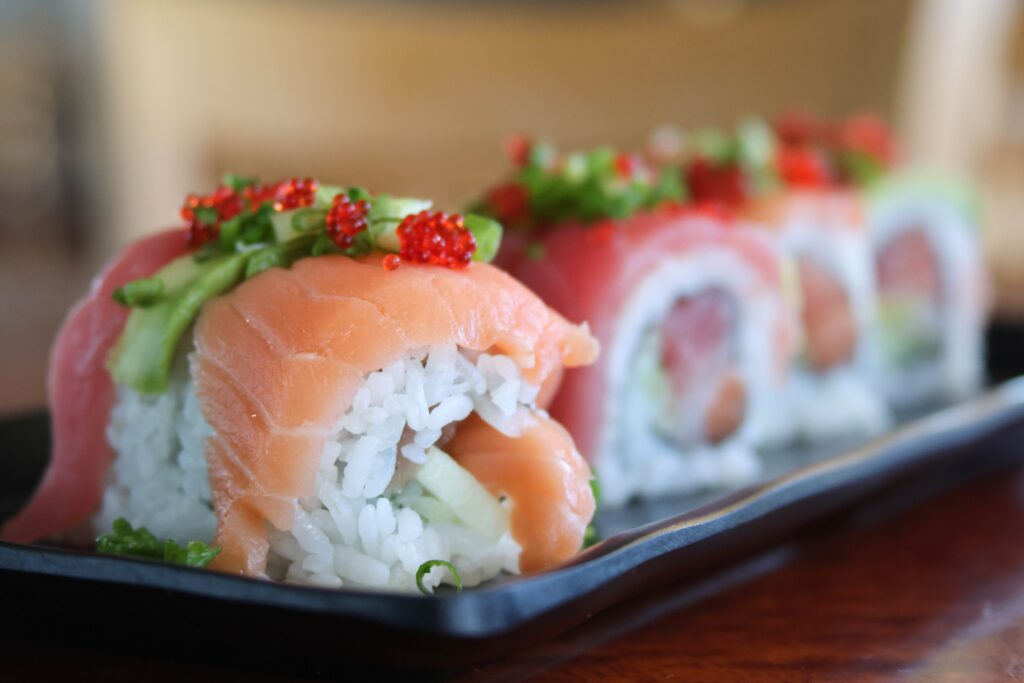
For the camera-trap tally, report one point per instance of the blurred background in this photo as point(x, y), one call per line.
point(111, 111)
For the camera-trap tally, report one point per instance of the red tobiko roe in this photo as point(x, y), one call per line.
point(295, 193)
point(867, 134)
point(798, 127)
point(257, 194)
point(224, 201)
point(711, 183)
point(628, 166)
point(346, 219)
point(509, 202)
point(518, 148)
point(801, 166)
point(436, 238)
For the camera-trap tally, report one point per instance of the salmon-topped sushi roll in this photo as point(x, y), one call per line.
point(686, 302)
point(318, 385)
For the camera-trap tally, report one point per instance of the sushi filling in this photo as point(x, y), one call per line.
point(909, 301)
point(690, 371)
point(828, 395)
point(826, 316)
point(689, 368)
point(376, 516)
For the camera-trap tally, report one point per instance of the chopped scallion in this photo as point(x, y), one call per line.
point(430, 564)
point(487, 234)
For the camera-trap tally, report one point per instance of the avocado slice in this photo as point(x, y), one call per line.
point(142, 357)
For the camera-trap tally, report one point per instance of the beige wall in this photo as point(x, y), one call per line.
point(416, 99)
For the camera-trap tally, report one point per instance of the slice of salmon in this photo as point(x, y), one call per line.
point(279, 359)
point(546, 481)
point(81, 394)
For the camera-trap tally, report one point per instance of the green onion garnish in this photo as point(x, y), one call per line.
point(430, 564)
point(237, 182)
point(308, 220)
point(125, 541)
point(207, 215)
point(138, 293)
point(487, 234)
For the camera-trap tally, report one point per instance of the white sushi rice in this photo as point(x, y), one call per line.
point(370, 524)
point(633, 459)
point(159, 477)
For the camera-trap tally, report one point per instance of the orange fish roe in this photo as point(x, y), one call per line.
point(295, 193)
point(436, 238)
point(391, 262)
point(345, 220)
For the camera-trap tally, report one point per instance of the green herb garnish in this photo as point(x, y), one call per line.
point(487, 234)
point(430, 564)
point(125, 541)
point(237, 182)
point(138, 293)
point(590, 533)
point(585, 186)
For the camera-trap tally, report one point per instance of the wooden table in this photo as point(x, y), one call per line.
point(933, 593)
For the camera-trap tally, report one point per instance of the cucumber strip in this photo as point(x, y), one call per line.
point(487, 234)
point(474, 506)
point(432, 509)
point(142, 357)
point(279, 255)
point(386, 213)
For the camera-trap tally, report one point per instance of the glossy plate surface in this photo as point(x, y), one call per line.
point(152, 606)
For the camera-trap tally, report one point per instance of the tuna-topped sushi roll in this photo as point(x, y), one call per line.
point(687, 305)
point(787, 186)
point(329, 386)
point(932, 289)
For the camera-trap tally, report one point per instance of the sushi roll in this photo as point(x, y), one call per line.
point(687, 305)
point(785, 183)
point(932, 290)
point(317, 385)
